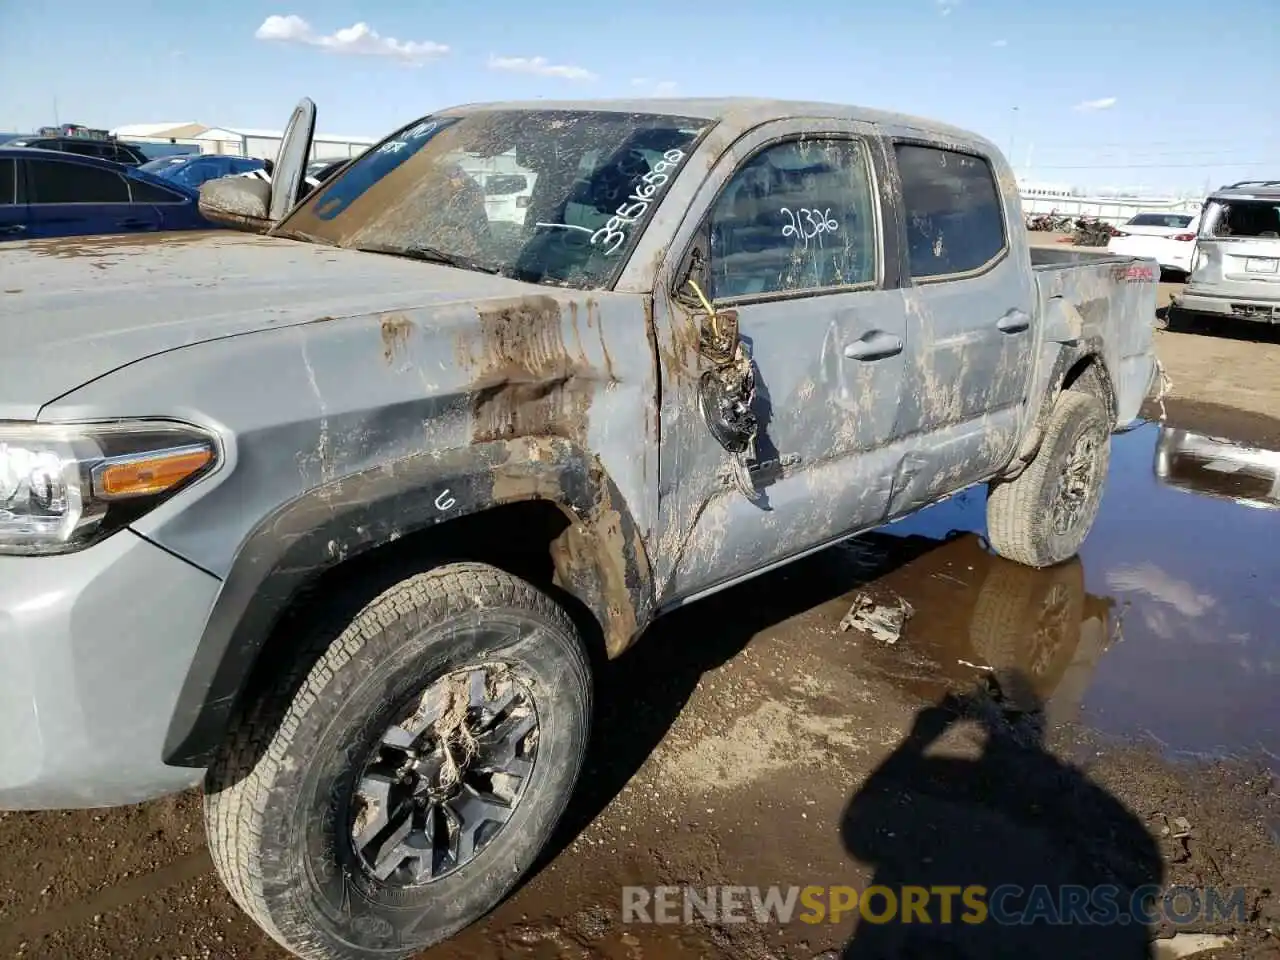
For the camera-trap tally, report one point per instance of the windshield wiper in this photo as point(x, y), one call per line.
point(432, 255)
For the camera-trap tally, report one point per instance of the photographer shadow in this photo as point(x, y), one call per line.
point(1015, 816)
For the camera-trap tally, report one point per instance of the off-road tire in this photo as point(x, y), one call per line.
point(1020, 511)
point(278, 797)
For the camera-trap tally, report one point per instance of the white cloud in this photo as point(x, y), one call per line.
point(541, 67)
point(1149, 579)
point(999, 43)
point(1090, 106)
point(358, 40)
point(655, 88)
point(946, 6)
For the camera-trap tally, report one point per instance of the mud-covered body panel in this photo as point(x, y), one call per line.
point(347, 434)
point(1100, 306)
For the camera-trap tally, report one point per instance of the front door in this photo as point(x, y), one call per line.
point(971, 304)
point(789, 225)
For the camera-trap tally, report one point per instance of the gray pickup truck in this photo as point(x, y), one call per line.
point(334, 511)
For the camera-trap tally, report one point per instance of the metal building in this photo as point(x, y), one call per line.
point(239, 141)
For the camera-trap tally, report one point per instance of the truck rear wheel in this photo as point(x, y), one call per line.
point(1042, 516)
point(399, 784)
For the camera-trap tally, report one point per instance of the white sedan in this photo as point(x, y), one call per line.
point(1168, 238)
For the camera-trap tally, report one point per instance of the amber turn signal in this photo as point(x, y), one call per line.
point(150, 473)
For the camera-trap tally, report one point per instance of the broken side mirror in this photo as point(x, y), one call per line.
point(242, 203)
point(726, 390)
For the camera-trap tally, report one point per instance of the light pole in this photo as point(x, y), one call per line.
point(1013, 134)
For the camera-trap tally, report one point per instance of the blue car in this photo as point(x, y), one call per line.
point(46, 193)
point(193, 169)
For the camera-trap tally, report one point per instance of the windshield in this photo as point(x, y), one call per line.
point(545, 196)
point(159, 167)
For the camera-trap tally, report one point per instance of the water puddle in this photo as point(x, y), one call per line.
point(1164, 626)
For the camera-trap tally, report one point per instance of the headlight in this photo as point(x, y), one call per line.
point(63, 487)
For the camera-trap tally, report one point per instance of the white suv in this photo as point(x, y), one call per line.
point(1235, 270)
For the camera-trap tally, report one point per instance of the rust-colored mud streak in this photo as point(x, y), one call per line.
point(528, 384)
point(597, 552)
point(396, 328)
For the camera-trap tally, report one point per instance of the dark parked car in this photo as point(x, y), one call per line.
point(124, 153)
point(194, 169)
point(44, 193)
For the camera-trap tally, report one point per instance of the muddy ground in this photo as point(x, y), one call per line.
point(1117, 722)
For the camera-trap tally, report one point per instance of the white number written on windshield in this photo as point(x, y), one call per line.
point(413, 133)
point(643, 193)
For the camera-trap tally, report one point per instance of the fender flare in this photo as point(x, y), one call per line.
point(600, 558)
point(1068, 358)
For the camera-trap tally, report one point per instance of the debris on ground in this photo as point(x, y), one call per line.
point(1188, 945)
point(883, 622)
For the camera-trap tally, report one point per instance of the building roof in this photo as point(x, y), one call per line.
point(154, 129)
point(191, 130)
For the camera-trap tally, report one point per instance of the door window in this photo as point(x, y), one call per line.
point(8, 182)
point(55, 182)
point(955, 221)
point(143, 192)
point(799, 215)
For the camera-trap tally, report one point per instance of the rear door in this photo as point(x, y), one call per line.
point(971, 300)
point(67, 199)
point(13, 214)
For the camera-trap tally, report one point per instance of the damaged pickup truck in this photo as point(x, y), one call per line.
point(335, 512)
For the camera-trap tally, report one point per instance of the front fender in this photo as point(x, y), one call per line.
point(600, 558)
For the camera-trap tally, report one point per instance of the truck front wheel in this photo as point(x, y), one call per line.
point(399, 784)
point(1042, 516)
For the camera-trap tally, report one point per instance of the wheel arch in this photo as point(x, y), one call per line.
point(1077, 367)
point(424, 509)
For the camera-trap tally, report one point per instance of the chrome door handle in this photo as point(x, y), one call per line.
point(873, 345)
point(1015, 321)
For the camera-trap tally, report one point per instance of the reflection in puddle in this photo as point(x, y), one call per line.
point(978, 617)
point(1162, 628)
point(1220, 468)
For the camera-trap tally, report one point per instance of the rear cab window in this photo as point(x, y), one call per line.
point(953, 211)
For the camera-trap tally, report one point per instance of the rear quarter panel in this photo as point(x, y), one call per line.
point(1099, 304)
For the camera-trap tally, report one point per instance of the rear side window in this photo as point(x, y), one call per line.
point(55, 182)
point(84, 149)
point(954, 217)
point(8, 182)
point(144, 192)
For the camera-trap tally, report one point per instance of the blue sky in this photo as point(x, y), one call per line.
point(1091, 92)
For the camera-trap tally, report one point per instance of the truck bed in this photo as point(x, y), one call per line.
point(1106, 299)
